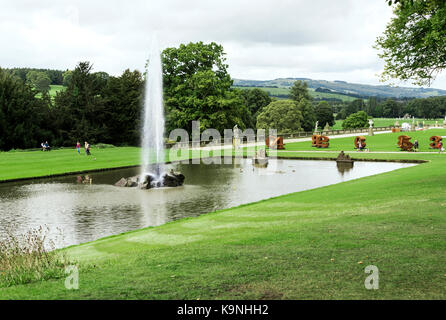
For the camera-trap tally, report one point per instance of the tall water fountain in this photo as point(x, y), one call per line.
point(153, 171)
point(153, 129)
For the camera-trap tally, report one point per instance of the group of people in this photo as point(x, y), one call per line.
point(86, 148)
point(45, 146)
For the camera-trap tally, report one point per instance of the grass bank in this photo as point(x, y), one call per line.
point(307, 245)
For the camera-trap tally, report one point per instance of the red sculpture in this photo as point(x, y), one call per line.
point(404, 143)
point(276, 144)
point(320, 141)
point(362, 139)
point(435, 140)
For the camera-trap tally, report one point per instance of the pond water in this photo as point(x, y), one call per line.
point(85, 212)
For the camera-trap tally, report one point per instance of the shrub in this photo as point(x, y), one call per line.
point(355, 120)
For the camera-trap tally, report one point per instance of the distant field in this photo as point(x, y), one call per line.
point(324, 95)
point(53, 90)
point(283, 92)
point(385, 122)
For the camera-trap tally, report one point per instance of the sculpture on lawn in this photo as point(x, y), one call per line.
point(435, 140)
point(360, 139)
point(404, 143)
point(277, 143)
point(320, 141)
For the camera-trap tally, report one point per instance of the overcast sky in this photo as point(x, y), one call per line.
point(263, 39)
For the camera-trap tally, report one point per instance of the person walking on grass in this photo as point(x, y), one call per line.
point(415, 146)
point(78, 147)
point(440, 147)
point(87, 148)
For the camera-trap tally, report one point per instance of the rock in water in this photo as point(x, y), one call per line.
point(173, 179)
point(147, 182)
point(121, 183)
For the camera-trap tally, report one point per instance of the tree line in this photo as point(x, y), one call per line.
point(100, 108)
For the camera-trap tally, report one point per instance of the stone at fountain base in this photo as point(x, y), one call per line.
point(171, 179)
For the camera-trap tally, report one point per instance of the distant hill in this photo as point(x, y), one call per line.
point(343, 88)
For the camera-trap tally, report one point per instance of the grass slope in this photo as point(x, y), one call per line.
point(307, 245)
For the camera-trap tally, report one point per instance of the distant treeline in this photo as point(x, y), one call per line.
point(256, 86)
point(425, 108)
point(100, 108)
point(55, 76)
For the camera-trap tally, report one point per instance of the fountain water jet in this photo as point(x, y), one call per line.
point(153, 171)
point(153, 129)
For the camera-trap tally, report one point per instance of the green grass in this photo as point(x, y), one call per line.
point(53, 90)
point(29, 164)
point(307, 245)
point(385, 122)
point(26, 164)
point(326, 95)
point(378, 142)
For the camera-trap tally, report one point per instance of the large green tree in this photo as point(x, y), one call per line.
point(413, 45)
point(197, 86)
point(80, 108)
point(283, 115)
point(255, 99)
point(122, 98)
point(24, 119)
point(39, 80)
point(299, 90)
point(324, 114)
point(300, 94)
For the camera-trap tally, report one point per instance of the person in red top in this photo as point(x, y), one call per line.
point(78, 147)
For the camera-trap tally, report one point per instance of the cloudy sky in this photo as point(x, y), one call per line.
point(263, 39)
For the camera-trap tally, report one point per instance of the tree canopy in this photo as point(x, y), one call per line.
point(413, 45)
point(197, 87)
point(24, 119)
point(324, 114)
point(355, 120)
point(283, 115)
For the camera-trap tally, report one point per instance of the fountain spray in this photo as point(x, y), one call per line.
point(152, 154)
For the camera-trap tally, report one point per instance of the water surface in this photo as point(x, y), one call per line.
point(85, 212)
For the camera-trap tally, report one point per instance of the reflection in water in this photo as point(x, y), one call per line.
point(86, 212)
point(344, 167)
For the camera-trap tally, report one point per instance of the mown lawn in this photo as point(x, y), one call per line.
point(25, 164)
point(385, 122)
point(378, 142)
point(307, 245)
point(28, 164)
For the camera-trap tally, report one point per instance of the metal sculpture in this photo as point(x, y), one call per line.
point(435, 141)
point(320, 141)
point(362, 139)
point(277, 143)
point(404, 143)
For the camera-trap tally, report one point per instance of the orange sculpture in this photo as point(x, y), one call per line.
point(404, 143)
point(362, 139)
point(435, 140)
point(276, 144)
point(320, 141)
